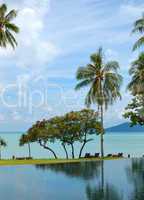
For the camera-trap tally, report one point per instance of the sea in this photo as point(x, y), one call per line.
point(127, 143)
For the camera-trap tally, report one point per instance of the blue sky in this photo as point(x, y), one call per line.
point(38, 78)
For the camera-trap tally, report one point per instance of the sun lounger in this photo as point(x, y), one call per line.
point(87, 155)
point(96, 155)
point(109, 155)
point(117, 155)
point(23, 158)
point(120, 154)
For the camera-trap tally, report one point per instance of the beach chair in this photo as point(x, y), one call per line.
point(97, 155)
point(109, 155)
point(120, 154)
point(87, 155)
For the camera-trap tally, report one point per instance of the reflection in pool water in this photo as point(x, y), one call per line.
point(84, 170)
point(108, 180)
point(135, 174)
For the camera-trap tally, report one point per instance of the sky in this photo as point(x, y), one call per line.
point(37, 79)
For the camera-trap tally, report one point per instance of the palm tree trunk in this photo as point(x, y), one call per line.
point(101, 116)
point(102, 139)
point(29, 149)
point(64, 147)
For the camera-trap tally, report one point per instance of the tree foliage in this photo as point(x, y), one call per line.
point(139, 28)
point(67, 129)
point(102, 78)
point(24, 139)
point(7, 27)
point(136, 85)
point(2, 144)
point(135, 111)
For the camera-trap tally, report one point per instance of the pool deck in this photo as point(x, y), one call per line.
point(51, 161)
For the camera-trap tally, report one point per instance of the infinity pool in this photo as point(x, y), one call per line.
point(108, 180)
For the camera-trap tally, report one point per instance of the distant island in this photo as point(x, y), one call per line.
point(125, 127)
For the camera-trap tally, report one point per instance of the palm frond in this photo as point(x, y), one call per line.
point(6, 28)
point(12, 27)
point(94, 95)
point(111, 87)
point(114, 78)
point(11, 15)
point(3, 10)
point(3, 39)
point(92, 68)
point(2, 142)
point(134, 84)
point(84, 73)
point(138, 64)
point(83, 83)
point(97, 96)
point(132, 70)
point(111, 66)
point(137, 71)
point(88, 99)
point(139, 26)
point(97, 58)
point(139, 43)
point(11, 39)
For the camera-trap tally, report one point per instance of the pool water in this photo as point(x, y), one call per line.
point(108, 180)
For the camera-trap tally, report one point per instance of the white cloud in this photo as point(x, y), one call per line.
point(33, 49)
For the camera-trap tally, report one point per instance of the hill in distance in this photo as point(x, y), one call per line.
point(125, 127)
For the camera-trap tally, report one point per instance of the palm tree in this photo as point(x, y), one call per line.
point(104, 82)
point(2, 144)
point(7, 28)
point(136, 86)
point(139, 28)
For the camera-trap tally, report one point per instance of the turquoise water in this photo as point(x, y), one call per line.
point(127, 143)
point(108, 180)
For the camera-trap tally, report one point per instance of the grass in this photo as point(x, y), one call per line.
point(49, 161)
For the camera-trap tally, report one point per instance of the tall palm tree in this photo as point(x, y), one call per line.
point(2, 144)
point(104, 82)
point(7, 27)
point(139, 28)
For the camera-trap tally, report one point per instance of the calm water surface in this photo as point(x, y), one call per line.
point(110, 180)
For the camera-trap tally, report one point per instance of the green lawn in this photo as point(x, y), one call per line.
point(48, 161)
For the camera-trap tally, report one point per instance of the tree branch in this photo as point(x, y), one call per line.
point(48, 148)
